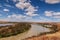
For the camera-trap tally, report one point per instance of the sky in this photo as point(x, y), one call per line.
point(30, 10)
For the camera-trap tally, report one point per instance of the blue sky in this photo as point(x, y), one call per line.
point(30, 10)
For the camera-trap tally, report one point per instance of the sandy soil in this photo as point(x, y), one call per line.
point(17, 37)
point(55, 36)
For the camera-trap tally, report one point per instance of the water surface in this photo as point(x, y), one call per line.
point(5, 24)
point(33, 31)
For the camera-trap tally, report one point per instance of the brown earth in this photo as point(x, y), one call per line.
point(54, 36)
point(14, 29)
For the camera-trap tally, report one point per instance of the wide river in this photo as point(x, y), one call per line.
point(5, 24)
point(33, 31)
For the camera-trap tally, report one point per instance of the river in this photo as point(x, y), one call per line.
point(5, 24)
point(33, 31)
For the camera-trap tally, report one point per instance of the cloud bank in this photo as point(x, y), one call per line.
point(29, 9)
point(52, 14)
point(52, 1)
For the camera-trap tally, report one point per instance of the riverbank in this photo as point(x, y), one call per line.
point(33, 31)
point(55, 36)
point(48, 36)
point(14, 29)
point(36, 31)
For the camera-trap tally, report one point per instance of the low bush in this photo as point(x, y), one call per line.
point(14, 30)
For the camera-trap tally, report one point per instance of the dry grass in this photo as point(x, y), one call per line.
point(54, 36)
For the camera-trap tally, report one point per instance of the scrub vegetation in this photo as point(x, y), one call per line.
point(10, 30)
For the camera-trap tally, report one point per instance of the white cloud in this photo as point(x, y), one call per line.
point(6, 10)
point(52, 1)
point(22, 1)
point(16, 16)
point(56, 16)
point(56, 13)
point(31, 14)
point(44, 19)
point(52, 14)
point(30, 10)
point(22, 4)
point(48, 13)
